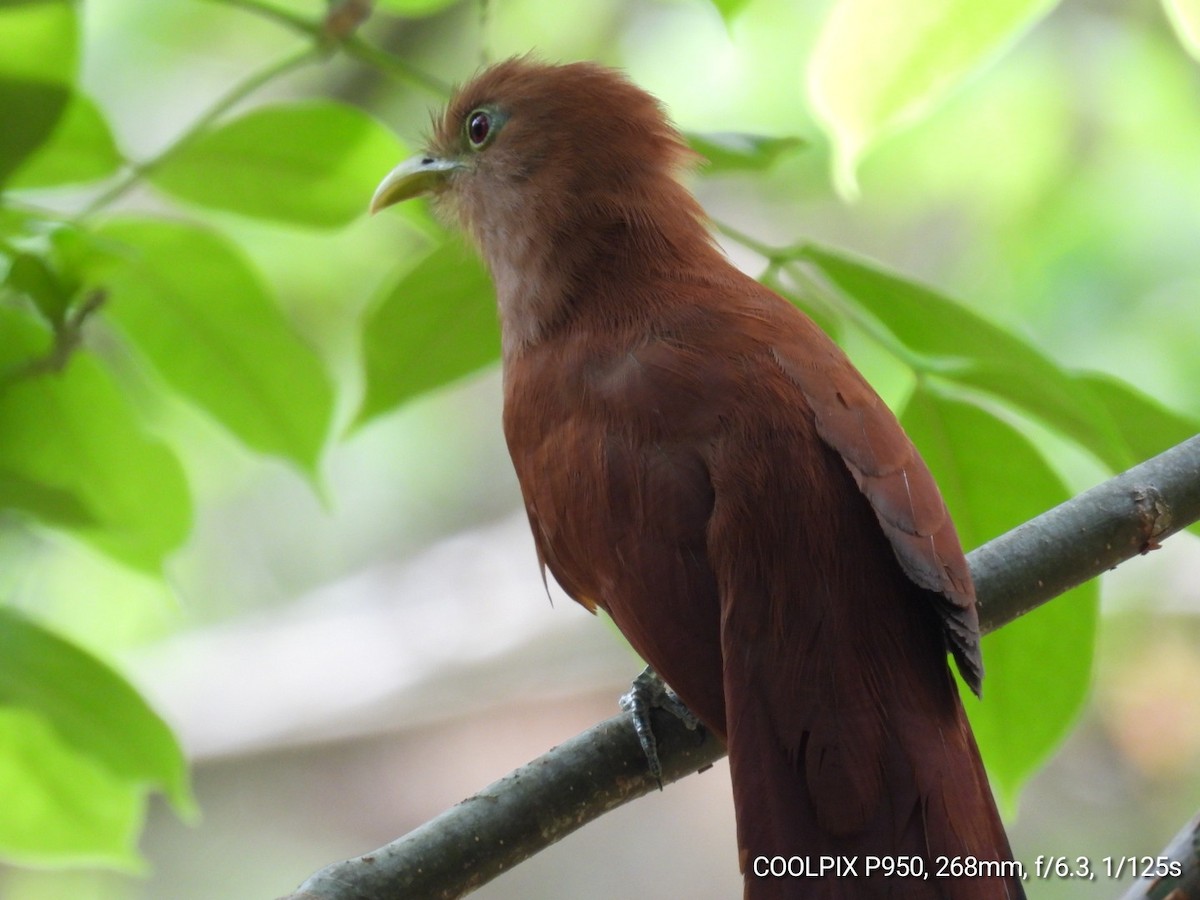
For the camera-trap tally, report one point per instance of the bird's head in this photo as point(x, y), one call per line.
point(555, 172)
point(528, 137)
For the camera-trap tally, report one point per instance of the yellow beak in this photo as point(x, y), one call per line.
point(412, 178)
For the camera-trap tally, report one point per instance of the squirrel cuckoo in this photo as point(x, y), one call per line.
point(699, 460)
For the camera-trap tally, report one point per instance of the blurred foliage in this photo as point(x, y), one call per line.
point(880, 65)
point(79, 747)
point(203, 274)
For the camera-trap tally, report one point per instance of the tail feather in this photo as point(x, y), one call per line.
point(932, 816)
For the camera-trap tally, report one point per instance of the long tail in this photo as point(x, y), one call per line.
point(899, 809)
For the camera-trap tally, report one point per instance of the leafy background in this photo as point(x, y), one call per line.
point(230, 403)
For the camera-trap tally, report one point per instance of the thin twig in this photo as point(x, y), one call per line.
point(817, 292)
point(68, 335)
point(239, 92)
point(350, 44)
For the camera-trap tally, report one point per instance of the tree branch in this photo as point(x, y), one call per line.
point(1172, 875)
point(603, 768)
point(522, 813)
point(1125, 516)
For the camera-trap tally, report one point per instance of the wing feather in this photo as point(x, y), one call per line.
point(852, 419)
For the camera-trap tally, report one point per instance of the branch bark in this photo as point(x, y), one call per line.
point(1175, 873)
point(603, 768)
point(1126, 516)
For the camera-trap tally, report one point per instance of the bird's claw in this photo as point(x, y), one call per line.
point(648, 691)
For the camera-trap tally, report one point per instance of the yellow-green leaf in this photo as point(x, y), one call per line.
point(879, 65)
point(32, 276)
point(74, 434)
point(730, 9)
point(311, 163)
point(415, 8)
point(79, 748)
point(61, 805)
point(731, 151)
point(31, 112)
point(437, 324)
point(959, 345)
point(196, 309)
point(1147, 426)
point(1185, 18)
point(79, 149)
point(38, 49)
point(39, 40)
point(1038, 667)
point(52, 505)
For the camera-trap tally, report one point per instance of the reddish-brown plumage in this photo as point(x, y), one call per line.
point(698, 459)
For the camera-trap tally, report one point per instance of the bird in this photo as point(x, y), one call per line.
point(701, 462)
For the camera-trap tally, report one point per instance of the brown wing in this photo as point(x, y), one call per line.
point(852, 419)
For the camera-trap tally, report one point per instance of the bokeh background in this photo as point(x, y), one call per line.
point(343, 663)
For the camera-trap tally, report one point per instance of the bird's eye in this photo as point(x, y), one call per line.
point(479, 128)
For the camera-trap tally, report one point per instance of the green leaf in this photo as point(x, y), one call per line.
point(1147, 426)
point(31, 112)
point(38, 49)
point(879, 65)
point(1185, 19)
point(48, 273)
point(22, 338)
point(39, 40)
point(737, 151)
point(730, 9)
point(89, 705)
point(78, 749)
point(437, 324)
point(53, 506)
point(197, 311)
point(13, 222)
point(1039, 666)
point(73, 433)
point(60, 806)
point(80, 149)
point(959, 345)
point(313, 163)
point(415, 8)
point(31, 276)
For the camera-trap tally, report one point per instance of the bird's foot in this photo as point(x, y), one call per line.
point(648, 691)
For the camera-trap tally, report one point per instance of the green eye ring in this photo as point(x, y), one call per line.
point(481, 126)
